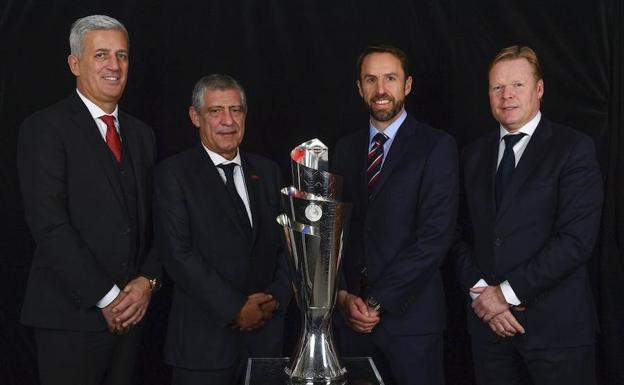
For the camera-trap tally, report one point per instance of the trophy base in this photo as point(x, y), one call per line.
point(333, 378)
point(270, 371)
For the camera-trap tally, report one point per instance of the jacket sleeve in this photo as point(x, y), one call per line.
point(189, 269)
point(462, 251)
point(281, 287)
point(575, 227)
point(421, 257)
point(43, 174)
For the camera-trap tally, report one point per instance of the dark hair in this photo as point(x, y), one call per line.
point(394, 51)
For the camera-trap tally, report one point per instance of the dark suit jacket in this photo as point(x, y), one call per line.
point(404, 232)
point(540, 238)
point(214, 266)
point(77, 215)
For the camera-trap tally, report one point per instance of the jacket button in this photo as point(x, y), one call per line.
point(126, 231)
point(124, 264)
point(498, 242)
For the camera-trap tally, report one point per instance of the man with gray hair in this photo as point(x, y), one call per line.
point(85, 170)
point(215, 210)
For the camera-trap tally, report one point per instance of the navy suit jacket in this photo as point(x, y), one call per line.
point(77, 214)
point(541, 236)
point(207, 253)
point(404, 231)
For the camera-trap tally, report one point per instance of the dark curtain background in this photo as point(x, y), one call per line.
point(296, 60)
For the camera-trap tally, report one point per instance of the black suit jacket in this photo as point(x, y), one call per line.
point(76, 212)
point(403, 233)
point(207, 254)
point(540, 238)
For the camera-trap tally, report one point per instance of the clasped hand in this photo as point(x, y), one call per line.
point(258, 309)
point(357, 315)
point(129, 307)
point(493, 309)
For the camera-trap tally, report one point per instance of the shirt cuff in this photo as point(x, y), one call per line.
point(481, 283)
point(510, 295)
point(108, 298)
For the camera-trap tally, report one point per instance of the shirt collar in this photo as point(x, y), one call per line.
point(527, 129)
point(94, 110)
point(218, 159)
point(390, 131)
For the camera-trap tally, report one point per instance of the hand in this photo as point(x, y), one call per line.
point(251, 316)
point(505, 325)
point(269, 308)
point(113, 326)
point(490, 302)
point(356, 313)
point(131, 310)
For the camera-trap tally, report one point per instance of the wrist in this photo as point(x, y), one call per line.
point(154, 283)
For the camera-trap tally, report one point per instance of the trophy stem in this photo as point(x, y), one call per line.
point(315, 358)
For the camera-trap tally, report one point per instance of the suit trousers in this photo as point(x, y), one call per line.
point(400, 359)
point(87, 358)
point(232, 375)
point(507, 362)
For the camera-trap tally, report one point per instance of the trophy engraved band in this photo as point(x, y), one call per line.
point(314, 223)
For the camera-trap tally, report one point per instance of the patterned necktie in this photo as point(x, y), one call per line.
point(506, 167)
point(241, 210)
point(375, 158)
point(112, 137)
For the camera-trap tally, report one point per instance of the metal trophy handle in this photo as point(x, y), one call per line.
point(314, 221)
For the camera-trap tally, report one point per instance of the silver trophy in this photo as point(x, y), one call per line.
point(314, 224)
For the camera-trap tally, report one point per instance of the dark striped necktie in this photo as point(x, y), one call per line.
point(506, 166)
point(375, 159)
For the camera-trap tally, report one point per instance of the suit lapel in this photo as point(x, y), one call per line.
point(214, 183)
point(534, 152)
point(393, 158)
point(490, 163)
point(254, 191)
point(85, 124)
point(360, 155)
point(132, 143)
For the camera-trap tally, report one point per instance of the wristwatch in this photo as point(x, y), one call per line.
point(155, 284)
point(372, 304)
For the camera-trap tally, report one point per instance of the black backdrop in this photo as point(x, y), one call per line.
point(296, 60)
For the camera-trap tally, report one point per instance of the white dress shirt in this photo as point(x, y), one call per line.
point(390, 132)
point(528, 129)
point(239, 180)
point(96, 112)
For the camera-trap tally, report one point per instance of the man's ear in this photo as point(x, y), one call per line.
point(73, 65)
point(408, 85)
point(359, 86)
point(194, 116)
point(540, 88)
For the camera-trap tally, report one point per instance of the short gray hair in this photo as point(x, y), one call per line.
point(216, 82)
point(92, 23)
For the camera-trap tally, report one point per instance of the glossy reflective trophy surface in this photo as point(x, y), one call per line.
point(314, 223)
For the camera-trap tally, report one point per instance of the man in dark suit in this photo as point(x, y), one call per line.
point(216, 210)
point(402, 178)
point(532, 195)
point(85, 172)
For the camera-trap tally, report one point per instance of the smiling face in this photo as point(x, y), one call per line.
point(102, 69)
point(221, 121)
point(515, 93)
point(383, 86)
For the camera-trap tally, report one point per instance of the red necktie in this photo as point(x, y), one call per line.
point(112, 137)
point(375, 158)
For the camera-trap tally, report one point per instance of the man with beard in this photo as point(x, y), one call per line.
point(401, 176)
